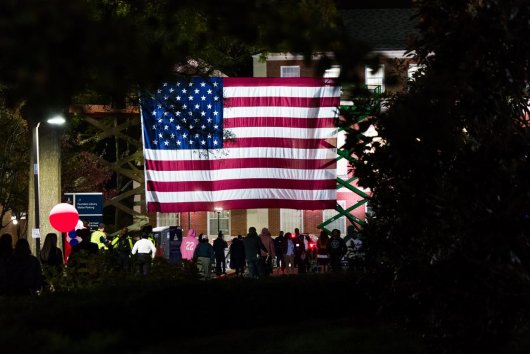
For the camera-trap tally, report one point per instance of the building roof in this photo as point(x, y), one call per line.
point(383, 29)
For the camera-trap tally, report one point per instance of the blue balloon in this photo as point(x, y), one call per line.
point(72, 234)
point(73, 242)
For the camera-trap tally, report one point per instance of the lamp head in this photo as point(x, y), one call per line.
point(56, 120)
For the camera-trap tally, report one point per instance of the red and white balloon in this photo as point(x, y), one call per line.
point(64, 217)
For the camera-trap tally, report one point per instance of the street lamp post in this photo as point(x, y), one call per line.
point(56, 120)
point(218, 210)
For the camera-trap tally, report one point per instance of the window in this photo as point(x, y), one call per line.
point(258, 218)
point(221, 218)
point(290, 71)
point(375, 79)
point(340, 223)
point(291, 219)
point(332, 72)
point(167, 219)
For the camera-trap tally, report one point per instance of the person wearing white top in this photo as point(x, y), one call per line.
point(146, 250)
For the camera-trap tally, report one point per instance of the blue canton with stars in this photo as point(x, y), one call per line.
point(187, 114)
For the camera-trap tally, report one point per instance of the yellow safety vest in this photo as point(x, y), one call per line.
point(96, 238)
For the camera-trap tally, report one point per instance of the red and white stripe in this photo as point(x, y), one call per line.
point(282, 154)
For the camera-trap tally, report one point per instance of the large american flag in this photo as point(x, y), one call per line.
point(240, 143)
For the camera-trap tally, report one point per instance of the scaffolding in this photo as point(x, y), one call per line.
point(356, 111)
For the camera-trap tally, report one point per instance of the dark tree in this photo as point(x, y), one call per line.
point(14, 154)
point(51, 51)
point(450, 173)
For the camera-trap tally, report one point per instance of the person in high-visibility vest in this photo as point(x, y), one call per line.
point(99, 237)
point(122, 246)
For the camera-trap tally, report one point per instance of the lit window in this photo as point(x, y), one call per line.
point(167, 219)
point(222, 219)
point(332, 72)
point(374, 79)
point(291, 219)
point(290, 71)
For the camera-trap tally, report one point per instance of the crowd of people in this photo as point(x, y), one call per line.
point(255, 255)
point(260, 255)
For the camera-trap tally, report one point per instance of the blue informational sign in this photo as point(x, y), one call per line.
point(89, 206)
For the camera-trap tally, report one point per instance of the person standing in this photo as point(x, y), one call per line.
point(278, 248)
point(268, 254)
point(253, 247)
point(203, 254)
point(146, 252)
point(322, 251)
point(121, 248)
point(148, 229)
point(300, 256)
point(237, 255)
point(354, 253)
point(23, 271)
point(99, 237)
point(189, 243)
point(289, 253)
point(51, 257)
point(219, 246)
point(337, 250)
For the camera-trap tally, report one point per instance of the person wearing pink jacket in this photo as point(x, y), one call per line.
point(188, 245)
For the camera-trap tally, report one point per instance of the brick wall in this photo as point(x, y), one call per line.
point(198, 220)
point(238, 222)
point(274, 221)
point(312, 218)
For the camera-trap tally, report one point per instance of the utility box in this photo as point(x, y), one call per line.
point(161, 235)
